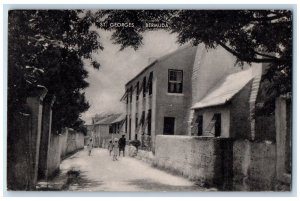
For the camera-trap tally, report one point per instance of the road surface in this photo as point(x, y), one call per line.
point(99, 173)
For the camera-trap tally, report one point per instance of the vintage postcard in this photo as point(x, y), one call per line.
point(150, 100)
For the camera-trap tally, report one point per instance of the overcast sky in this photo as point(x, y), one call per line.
point(118, 67)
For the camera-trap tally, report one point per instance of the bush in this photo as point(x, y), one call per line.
point(135, 143)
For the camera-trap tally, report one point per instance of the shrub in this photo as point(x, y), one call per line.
point(135, 143)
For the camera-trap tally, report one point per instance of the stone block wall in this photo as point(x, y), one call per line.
point(71, 141)
point(254, 165)
point(204, 159)
point(239, 165)
point(63, 144)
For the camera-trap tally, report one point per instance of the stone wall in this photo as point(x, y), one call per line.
point(60, 147)
point(254, 165)
point(207, 160)
point(54, 158)
point(20, 169)
point(71, 142)
point(34, 152)
point(23, 142)
point(240, 165)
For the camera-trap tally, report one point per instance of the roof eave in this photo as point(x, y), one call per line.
point(211, 105)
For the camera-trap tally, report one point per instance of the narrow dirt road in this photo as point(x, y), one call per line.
point(99, 173)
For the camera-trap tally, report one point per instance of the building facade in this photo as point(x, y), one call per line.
point(159, 99)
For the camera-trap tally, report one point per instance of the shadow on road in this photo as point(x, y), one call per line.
point(76, 182)
point(149, 185)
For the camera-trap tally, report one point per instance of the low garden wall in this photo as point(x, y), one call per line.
point(254, 165)
point(239, 165)
point(71, 141)
point(205, 159)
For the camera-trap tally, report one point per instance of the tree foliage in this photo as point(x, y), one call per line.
point(261, 36)
point(46, 48)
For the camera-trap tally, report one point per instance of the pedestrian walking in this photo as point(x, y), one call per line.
point(115, 149)
point(110, 146)
point(90, 146)
point(122, 144)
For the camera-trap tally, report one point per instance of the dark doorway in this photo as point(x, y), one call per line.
point(169, 124)
point(218, 124)
point(200, 125)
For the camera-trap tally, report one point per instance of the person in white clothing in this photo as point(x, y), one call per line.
point(115, 149)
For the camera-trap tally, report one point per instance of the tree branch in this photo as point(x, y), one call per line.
point(240, 57)
point(261, 19)
point(265, 55)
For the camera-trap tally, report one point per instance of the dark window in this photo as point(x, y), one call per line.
point(149, 122)
point(111, 129)
point(169, 124)
point(137, 90)
point(200, 125)
point(175, 81)
point(144, 87)
point(218, 124)
point(150, 83)
point(143, 119)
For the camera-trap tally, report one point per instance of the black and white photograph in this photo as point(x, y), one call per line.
point(150, 100)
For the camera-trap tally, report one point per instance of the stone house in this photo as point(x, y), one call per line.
point(200, 111)
point(106, 129)
point(225, 110)
point(159, 98)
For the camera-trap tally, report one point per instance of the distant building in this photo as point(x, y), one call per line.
point(103, 129)
point(117, 126)
point(159, 99)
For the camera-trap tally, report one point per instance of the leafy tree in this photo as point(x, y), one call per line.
point(261, 36)
point(46, 47)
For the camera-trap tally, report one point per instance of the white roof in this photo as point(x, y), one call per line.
point(119, 119)
point(225, 89)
